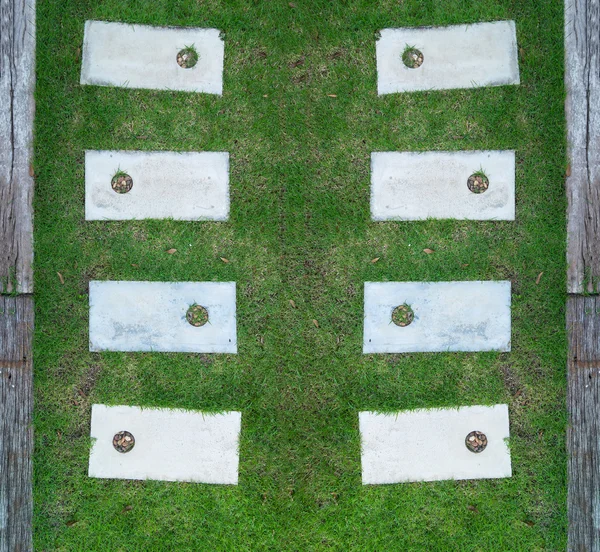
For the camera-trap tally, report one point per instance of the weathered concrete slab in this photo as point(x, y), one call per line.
point(429, 445)
point(139, 56)
point(181, 186)
point(448, 316)
point(417, 186)
point(151, 316)
point(459, 56)
point(170, 445)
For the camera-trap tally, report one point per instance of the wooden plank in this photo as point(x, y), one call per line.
point(583, 442)
point(16, 431)
point(17, 81)
point(582, 80)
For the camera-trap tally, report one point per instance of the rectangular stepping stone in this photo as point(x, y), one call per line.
point(429, 445)
point(181, 186)
point(459, 56)
point(448, 316)
point(139, 56)
point(433, 184)
point(152, 316)
point(169, 445)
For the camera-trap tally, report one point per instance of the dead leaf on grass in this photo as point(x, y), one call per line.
point(292, 303)
point(224, 259)
point(60, 277)
point(375, 259)
point(332, 95)
point(171, 251)
point(428, 251)
point(315, 323)
point(568, 171)
point(539, 277)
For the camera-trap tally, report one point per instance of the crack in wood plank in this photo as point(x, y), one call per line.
point(582, 107)
point(583, 432)
point(16, 431)
point(17, 82)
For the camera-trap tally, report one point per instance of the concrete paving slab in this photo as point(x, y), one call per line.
point(151, 316)
point(417, 186)
point(170, 445)
point(429, 445)
point(459, 56)
point(181, 186)
point(140, 56)
point(448, 316)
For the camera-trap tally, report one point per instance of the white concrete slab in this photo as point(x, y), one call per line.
point(448, 316)
point(139, 56)
point(459, 56)
point(433, 184)
point(151, 316)
point(429, 445)
point(181, 186)
point(170, 445)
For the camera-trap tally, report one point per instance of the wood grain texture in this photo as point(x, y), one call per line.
point(582, 106)
point(583, 434)
point(16, 431)
point(17, 82)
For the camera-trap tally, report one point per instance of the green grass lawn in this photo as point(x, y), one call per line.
point(300, 231)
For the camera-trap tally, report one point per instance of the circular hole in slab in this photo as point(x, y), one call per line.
point(197, 315)
point(478, 183)
point(187, 58)
point(123, 441)
point(412, 58)
point(121, 183)
point(403, 315)
point(476, 441)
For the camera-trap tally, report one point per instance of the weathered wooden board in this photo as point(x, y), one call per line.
point(582, 80)
point(17, 81)
point(583, 434)
point(16, 432)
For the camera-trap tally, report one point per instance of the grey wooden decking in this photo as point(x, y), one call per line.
point(582, 80)
point(17, 81)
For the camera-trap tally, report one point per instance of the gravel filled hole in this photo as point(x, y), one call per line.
point(121, 182)
point(478, 183)
point(123, 441)
point(402, 315)
point(187, 58)
point(476, 441)
point(412, 58)
point(197, 315)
